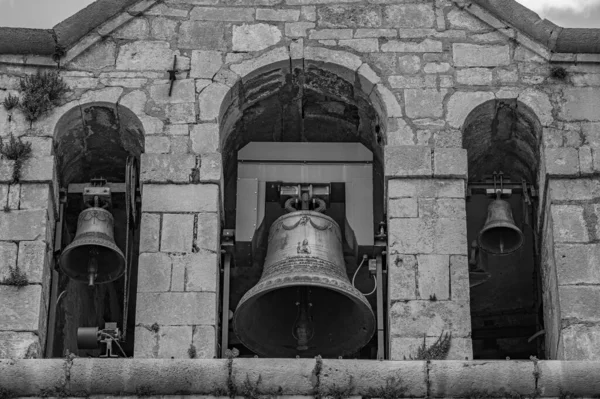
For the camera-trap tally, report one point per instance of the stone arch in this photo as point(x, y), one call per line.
point(297, 94)
point(94, 139)
point(503, 134)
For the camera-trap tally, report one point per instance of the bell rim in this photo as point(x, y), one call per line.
point(359, 298)
point(506, 225)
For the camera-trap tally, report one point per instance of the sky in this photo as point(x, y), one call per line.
point(45, 14)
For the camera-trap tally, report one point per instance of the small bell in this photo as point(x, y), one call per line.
point(500, 235)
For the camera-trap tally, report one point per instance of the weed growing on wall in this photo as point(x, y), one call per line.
point(15, 277)
point(558, 72)
point(15, 150)
point(6, 394)
point(40, 93)
point(10, 102)
point(338, 392)
point(192, 353)
point(437, 351)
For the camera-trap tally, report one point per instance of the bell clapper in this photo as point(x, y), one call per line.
point(303, 329)
point(92, 267)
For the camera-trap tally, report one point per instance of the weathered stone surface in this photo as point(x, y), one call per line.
point(163, 29)
point(402, 277)
point(237, 14)
point(190, 198)
point(436, 67)
point(27, 225)
point(184, 91)
point(8, 258)
point(409, 16)
point(581, 189)
point(204, 340)
point(211, 169)
point(174, 342)
point(176, 308)
point(210, 100)
point(137, 29)
point(205, 63)
point(165, 11)
point(199, 35)
point(268, 14)
point(205, 138)
point(181, 113)
point(361, 45)
point(35, 196)
point(32, 261)
point(344, 16)
point(6, 170)
point(474, 76)
point(20, 308)
point(434, 276)
point(298, 29)
point(145, 55)
point(149, 232)
point(208, 232)
point(465, 54)
point(459, 278)
point(154, 272)
point(431, 318)
point(561, 161)
point(580, 104)
point(375, 33)
point(581, 342)
point(577, 263)
point(255, 37)
point(579, 302)
point(462, 103)
point(424, 103)
point(578, 377)
point(540, 103)
point(102, 54)
point(428, 236)
point(450, 162)
point(405, 348)
point(157, 145)
point(426, 188)
point(569, 224)
point(166, 168)
point(426, 46)
point(38, 169)
point(19, 345)
point(177, 234)
point(413, 161)
point(459, 19)
point(448, 208)
point(399, 133)
point(200, 271)
point(403, 208)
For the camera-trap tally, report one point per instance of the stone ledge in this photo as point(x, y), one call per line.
point(296, 376)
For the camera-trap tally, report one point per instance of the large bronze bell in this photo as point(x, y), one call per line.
point(304, 304)
point(93, 256)
point(500, 235)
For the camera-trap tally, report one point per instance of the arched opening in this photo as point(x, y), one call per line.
point(94, 141)
point(506, 301)
point(299, 103)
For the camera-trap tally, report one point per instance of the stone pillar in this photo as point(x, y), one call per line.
point(427, 250)
point(571, 269)
point(178, 277)
point(27, 220)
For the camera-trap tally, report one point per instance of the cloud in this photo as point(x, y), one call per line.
point(574, 6)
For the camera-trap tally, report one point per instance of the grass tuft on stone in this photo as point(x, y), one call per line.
point(16, 277)
point(10, 102)
point(40, 93)
point(18, 151)
point(437, 351)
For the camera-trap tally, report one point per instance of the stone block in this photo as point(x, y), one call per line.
point(19, 345)
point(208, 232)
point(582, 342)
point(154, 272)
point(403, 208)
point(29, 225)
point(205, 63)
point(255, 37)
point(190, 198)
point(586, 162)
point(237, 14)
point(452, 379)
point(163, 10)
point(349, 16)
point(325, 34)
point(164, 29)
point(149, 232)
point(580, 303)
point(561, 161)
point(181, 113)
point(4, 188)
point(210, 100)
point(375, 33)
point(408, 161)
point(157, 145)
point(38, 169)
point(386, 100)
point(177, 234)
point(184, 91)
point(177, 130)
point(441, 208)
point(361, 45)
point(450, 162)
point(569, 224)
point(426, 188)
point(20, 308)
point(200, 271)
point(583, 189)
point(32, 261)
point(402, 271)
point(176, 308)
point(461, 104)
point(407, 348)
point(205, 138)
point(180, 145)
point(409, 16)
point(145, 55)
point(424, 103)
point(430, 318)
point(580, 104)
point(269, 14)
point(474, 76)
point(211, 170)
point(145, 343)
point(577, 263)
point(434, 277)
point(450, 236)
point(166, 168)
point(459, 278)
point(14, 196)
point(425, 46)
point(474, 55)
point(35, 196)
point(8, 258)
point(137, 29)
point(437, 67)
point(298, 29)
point(576, 377)
point(200, 35)
point(204, 340)
point(6, 170)
point(100, 55)
point(174, 342)
point(410, 236)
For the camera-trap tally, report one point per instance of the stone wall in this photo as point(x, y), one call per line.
point(425, 66)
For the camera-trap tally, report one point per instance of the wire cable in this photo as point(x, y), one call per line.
point(356, 272)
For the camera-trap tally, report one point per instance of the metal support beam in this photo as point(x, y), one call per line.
point(225, 311)
point(380, 310)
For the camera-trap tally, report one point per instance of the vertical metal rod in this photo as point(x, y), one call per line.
point(225, 312)
point(380, 312)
